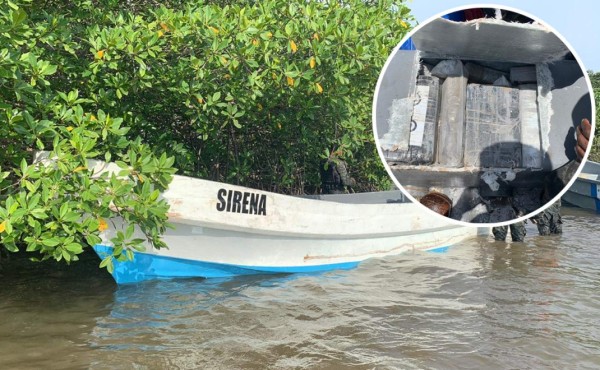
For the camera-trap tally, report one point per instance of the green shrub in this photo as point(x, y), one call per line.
point(252, 93)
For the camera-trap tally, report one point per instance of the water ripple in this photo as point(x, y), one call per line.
point(483, 304)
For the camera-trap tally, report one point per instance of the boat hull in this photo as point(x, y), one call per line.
point(212, 253)
point(224, 230)
point(585, 191)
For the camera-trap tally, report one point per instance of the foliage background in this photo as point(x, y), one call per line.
point(251, 93)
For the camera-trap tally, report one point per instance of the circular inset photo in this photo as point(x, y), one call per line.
point(483, 115)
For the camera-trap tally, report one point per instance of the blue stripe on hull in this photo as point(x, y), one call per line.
point(148, 266)
point(594, 193)
point(439, 249)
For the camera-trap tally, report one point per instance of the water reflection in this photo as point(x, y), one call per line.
point(148, 314)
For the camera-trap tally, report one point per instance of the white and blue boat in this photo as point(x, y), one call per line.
point(223, 230)
point(585, 191)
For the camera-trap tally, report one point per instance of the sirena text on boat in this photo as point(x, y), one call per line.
point(241, 202)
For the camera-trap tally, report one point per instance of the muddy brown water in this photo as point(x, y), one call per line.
point(482, 304)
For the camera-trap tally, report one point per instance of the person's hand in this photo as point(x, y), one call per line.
point(583, 138)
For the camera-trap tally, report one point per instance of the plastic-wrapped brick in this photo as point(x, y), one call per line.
point(493, 129)
point(481, 74)
point(525, 74)
point(452, 116)
point(395, 142)
point(530, 126)
point(424, 120)
point(413, 123)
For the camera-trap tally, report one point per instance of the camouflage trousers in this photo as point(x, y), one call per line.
point(549, 221)
point(517, 232)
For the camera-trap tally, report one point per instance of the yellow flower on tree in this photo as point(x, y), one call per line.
point(2, 226)
point(100, 54)
point(312, 62)
point(319, 88)
point(290, 81)
point(102, 225)
point(293, 46)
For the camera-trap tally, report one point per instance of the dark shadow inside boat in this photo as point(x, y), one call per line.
point(381, 197)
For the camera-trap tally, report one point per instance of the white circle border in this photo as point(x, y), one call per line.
point(547, 26)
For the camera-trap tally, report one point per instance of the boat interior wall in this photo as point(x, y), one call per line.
point(489, 40)
point(382, 197)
